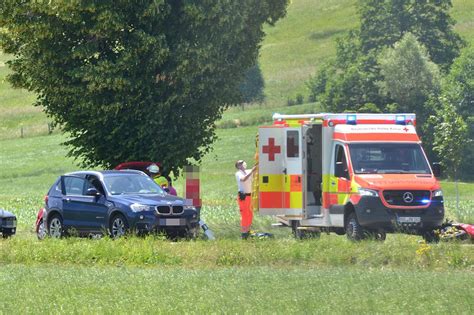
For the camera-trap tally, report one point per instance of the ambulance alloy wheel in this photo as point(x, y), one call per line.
point(354, 230)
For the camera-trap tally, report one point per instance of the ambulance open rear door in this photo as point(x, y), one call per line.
point(280, 171)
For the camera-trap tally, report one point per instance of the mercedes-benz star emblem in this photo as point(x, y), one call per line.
point(408, 197)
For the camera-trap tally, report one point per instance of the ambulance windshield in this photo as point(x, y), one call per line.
point(388, 158)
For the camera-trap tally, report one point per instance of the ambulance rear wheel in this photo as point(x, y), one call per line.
point(354, 230)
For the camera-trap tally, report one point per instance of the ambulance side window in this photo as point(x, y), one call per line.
point(292, 144)
point(340, 167)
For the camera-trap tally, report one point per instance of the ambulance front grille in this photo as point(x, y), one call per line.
point(407, 198)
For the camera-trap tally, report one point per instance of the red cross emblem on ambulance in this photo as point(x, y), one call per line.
point(271, 149)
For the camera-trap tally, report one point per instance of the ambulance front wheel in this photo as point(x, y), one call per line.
point(354, 230)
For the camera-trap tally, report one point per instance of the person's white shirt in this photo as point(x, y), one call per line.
point(244, 186)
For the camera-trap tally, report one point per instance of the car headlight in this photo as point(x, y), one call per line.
point(137, 207)
point(368, 192)
point(437, 193)
point(189, 208)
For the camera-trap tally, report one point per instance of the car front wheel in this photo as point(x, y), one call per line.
point(56, 226)
point(118, 226)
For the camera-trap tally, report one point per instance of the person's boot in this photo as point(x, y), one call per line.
point(245, 235)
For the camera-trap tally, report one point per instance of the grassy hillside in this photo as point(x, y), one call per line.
point(298, 44)
point(290, 54)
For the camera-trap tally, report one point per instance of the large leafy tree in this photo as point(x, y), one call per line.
point(453, 125)
point(135, 79)
point(251, 88)
point(451, 138)
point(352, 81)
point(385, 22)
point(409, 76)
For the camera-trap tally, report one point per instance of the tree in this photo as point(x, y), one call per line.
point(409, 77)
point(352, 78)
point(451, 138)
point(459, 84)
point(251, 89)
point(458, 91)
point(135, 80)
point(385, 22)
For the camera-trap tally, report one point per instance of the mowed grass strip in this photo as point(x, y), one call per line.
point(399, 251)
point(53, 289)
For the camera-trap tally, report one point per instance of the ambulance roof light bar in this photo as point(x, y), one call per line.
point(400, 120)
point(351, 120)
point(277, 116)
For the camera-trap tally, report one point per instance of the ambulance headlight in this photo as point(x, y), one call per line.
point(368, 192)
point(437, 193)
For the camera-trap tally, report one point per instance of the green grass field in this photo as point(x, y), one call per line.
point(281, 275)
point(232, 290)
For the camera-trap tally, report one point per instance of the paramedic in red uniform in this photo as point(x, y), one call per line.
point(244, 198)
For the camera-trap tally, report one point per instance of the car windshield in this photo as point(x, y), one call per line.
point(119, 184)
point(388, 158)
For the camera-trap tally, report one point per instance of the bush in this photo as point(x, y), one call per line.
point(299, 99)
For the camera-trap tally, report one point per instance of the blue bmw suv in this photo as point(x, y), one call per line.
point(115, 202)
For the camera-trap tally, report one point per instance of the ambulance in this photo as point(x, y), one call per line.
point(363, 175)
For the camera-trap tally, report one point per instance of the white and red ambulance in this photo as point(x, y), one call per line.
point(353, 174)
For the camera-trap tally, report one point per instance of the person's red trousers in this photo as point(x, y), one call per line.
point(246, 214)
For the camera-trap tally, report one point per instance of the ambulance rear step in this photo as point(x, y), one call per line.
point(282, 222)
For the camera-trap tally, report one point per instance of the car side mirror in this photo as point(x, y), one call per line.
point(92, 192)
point(436, 167)
point(340, 171)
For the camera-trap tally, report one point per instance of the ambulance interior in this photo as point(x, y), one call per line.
point(314, 170)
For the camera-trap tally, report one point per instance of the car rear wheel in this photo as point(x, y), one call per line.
point(41, 230)
point(118, 226)
point(56, 226)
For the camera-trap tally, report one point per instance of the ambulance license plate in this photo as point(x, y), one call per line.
point(172, 222)
point(409, 219)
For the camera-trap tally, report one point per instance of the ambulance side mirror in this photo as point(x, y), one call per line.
point(436, 167)
point(341, 171)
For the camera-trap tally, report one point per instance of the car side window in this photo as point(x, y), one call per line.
point(74, 186)
point(94, 182)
